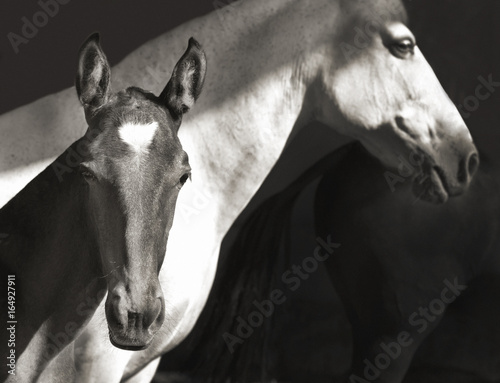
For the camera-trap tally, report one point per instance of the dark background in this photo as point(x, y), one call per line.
point(47, 63)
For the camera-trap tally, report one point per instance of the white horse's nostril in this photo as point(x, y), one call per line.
point(468, 168)
point(473, 164)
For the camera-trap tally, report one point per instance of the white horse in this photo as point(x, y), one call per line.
point(273, 67)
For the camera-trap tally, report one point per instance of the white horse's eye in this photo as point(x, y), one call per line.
point(403, 48)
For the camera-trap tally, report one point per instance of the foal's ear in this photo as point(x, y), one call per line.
point(93, 76)
point(187, 80)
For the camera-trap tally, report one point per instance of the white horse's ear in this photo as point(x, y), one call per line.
point(187, 80)
point(93, 76)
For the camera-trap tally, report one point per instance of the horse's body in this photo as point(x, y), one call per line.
point(274, 67)
point(97, 219)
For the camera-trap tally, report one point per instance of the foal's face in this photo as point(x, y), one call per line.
point(134, 171)
point(389, 98)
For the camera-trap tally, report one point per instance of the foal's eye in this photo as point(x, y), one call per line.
point(184, 178)
point(403, 48)
point(87, 173)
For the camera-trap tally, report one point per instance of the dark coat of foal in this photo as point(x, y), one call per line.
point(96, 221)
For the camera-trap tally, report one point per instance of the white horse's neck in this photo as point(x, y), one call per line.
point(255, 77)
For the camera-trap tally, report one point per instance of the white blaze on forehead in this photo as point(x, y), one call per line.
point(138, 136)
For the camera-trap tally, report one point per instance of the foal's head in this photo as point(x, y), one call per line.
point(134, 168)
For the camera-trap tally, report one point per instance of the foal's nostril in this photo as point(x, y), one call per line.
point(468, 168)
point(158, 313)
point(148, 319)
point(160, 317)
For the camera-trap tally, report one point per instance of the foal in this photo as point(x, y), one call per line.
point(96, 220)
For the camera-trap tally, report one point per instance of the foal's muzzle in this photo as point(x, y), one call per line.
point(134, 318)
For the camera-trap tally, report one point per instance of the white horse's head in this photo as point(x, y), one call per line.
point(376, 86)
